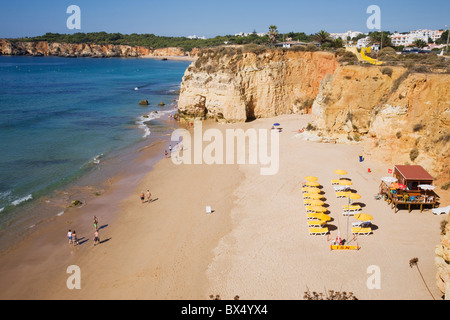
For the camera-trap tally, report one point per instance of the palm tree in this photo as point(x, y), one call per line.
point(419, 43)
point(273, 33)
point(322, 37)
point(414, 263)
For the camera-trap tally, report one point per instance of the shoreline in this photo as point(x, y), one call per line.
point(175, 58)
point(255, 244)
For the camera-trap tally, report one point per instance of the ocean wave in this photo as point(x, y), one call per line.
point(5, 194)
point(1, 209)
point(96, 159)
point(143, 120)
point(19, 201)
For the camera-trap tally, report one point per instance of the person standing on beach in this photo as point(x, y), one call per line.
point(69, 236)
point(170, 149)
point(142, 197)
point(96, 238)
point(95, 223)
point(74, 238)
point(149, 196)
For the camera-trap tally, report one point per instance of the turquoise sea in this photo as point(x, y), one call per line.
point(61, 117)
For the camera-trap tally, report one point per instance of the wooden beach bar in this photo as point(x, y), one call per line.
point(413, 188)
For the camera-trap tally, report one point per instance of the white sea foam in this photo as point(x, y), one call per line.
point(96, 159)
point(142, 121)
point(5, 194)
point(1, 209)
point(60, 214)
point(19, 201)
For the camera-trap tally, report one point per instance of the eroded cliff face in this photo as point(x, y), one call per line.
point(244, 86)
point(442, 260)
point(400, 118)
point(43, 48)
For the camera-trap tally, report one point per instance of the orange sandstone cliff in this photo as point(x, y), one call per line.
point(399, 116)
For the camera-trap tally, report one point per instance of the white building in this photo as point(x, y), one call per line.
point(345, 35)
point(407, 39)
point(242, 34)
point(194, 37)
point(363, 42)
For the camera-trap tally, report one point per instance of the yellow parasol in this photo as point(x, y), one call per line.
point(318, 209)
point(345, 182)
point(315, 202)
point(316, 196)
point(311, 190)
point(363, 217)
point(312, 184)
point(340, 172)
point(311, 179)
point(320, 216)
point(352, 196)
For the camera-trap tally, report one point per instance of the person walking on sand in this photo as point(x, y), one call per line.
point(95, 223)
point(142, 197)
point(69, 236)
point(165, 153)
point(170, 149)
point(74, 238)
point(149, 196)
point(96, 238)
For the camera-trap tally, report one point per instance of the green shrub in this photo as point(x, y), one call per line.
point(414, 154)
point(445, 186)
point(387, 71)
point(417, 127)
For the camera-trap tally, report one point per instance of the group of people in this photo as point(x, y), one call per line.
point(73, 239)
point(178, 147)
point(147, 195)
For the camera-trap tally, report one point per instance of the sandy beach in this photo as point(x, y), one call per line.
point(254, 244)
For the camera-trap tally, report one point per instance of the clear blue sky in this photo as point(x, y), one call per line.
point(209, 18)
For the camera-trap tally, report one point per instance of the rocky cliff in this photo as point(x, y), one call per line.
point(442, 260)
point(399, 116)
point(241, 86)
point(43, 48)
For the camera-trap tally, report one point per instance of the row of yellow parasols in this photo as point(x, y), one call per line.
point(314, 202)
point(352, 196)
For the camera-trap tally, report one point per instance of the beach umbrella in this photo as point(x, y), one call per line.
point(311, 179)
point(345, 182)
point(389, 180)
point(316, 196)
point(363, 217)
point(312, 184)
point(351, 196)
point(341, 188)
point(312, 202)
point(320, 216)
point(426, 187)
point(340, 172)
point(312, 190)
point(318, 209)
point(276, 124)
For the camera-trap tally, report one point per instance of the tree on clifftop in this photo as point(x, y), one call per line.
point(273, 33)
point(322, 37)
